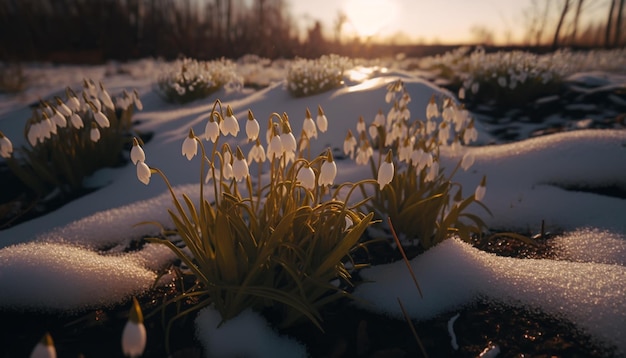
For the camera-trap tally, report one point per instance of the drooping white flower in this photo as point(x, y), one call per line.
point(136, 153)
point(404, 152)
point(328, 172)
point(363, 153)
point(322, 121)
point(481, 189)
point(137, 101)
point(432, 110)
point(379, 119)
point(416, 156)
point(229, 125)
point(252, 127)
point(134, 333)
point(102, 120)
point(76, 121)
point(257, 153)
point(449, 111)
point(444, 132)
point(385, 171)
point(468, 160)
point(73, 103)
point(6, 147)
point(190, 146)
point(306, 177)
point(211, 130)
point(44, 348)
point(63, 108)
point(308, 126)
point(462, 93)
point(104, 97)
point(433, 172)
point(143, 172)
point(240, 166)
point(94, 134)
point(59, 119)
point(470, 133)
point(360, 125)
point(349, 145)
point(288, 142)
point(227, 165)
point(373, 131)
point(34, 134)
point(275, 146)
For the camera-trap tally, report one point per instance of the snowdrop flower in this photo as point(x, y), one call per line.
point(379, 120)
point(432, 110)
point(360, 126)
point(364, 153)
point(444, 132)
point(102, 120)
point(404, 152)
point(104, 97)
point(373, 131)
point(481, 189)
point(306, 177)
point(252, 127)
point(229, 125)
point(462, 93)
point(275, 146)
point(211, 130)
point(227, 165)
point(322, 121)
point(448, 112)
point(58, 119)
point(309, 125)
point(288, 141)
point(143, 172)
point(470, 133)
point(468, 160)
point(73, 103)
point(34, 134)
point(257, 153)
point(240, 166)
point(137, 101)
point(136, 153)
point(76, 121)
point(134, 333)
point(349, 145)
point(433, 171)
point(44, 348)
point(385, 172)
point(6, 147)
point(190, 146)
point(416, 156)
point(94, 134)
point(328, 170)
point(62, 107)
point(460, 119)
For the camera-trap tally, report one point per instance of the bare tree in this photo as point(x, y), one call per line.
point(559, 25)
point(618, 24)
point(579, 6)
point(609, 22)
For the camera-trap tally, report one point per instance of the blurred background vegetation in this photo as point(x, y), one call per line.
point(93, 31)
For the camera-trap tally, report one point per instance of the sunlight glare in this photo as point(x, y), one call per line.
point(370, 17)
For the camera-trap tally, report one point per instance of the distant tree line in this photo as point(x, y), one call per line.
point(90, 31)
point(125, 29)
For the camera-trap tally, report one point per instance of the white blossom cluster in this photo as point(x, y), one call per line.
point(308, 77)
point(187, 79)
point(93, 105)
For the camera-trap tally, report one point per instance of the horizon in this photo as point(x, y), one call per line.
point(452, 22)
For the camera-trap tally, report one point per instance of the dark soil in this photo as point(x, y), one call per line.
point(348, 330)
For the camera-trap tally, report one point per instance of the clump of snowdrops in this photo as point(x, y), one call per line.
point(188, 79)
point(69, 139)
point(279, 242)
point(306, 77)
point(424, 203)
point(504, 78)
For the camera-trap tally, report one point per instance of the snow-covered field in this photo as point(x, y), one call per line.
point(56, 261)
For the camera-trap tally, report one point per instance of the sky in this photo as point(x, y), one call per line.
point(63, 259)
point(448, 21)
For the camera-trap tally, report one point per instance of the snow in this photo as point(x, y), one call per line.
point(63, 259)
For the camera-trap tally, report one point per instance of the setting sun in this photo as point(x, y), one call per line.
point(370, 17)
